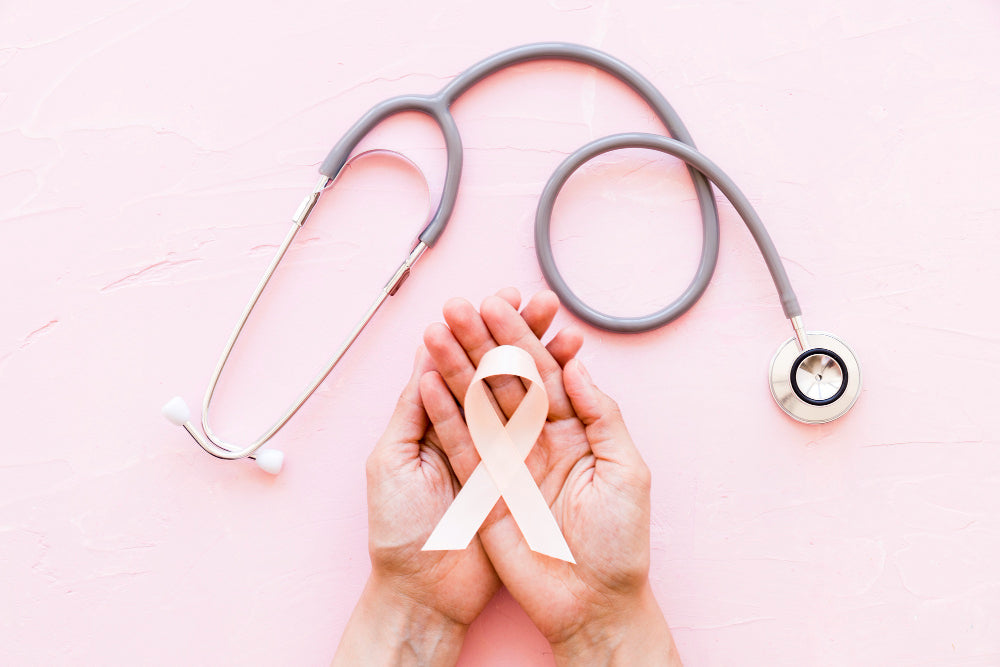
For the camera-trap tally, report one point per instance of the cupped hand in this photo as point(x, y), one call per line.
point(589, 471)
point(410, 485)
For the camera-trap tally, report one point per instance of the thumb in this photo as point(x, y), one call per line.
point(449, 425)
point(408, 422)
point(606, 431)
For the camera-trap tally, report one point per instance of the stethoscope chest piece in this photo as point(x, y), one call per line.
point(818, 384)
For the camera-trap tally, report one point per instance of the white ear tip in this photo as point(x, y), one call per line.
point(176, 410)
point(270, 460)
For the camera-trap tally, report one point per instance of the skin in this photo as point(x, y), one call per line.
point(417, 605)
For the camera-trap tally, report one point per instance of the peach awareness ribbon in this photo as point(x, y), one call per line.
point(501, 472)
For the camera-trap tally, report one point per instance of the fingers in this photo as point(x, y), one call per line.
point(470, 335)
point(452, 362)
point(565, 345)
point(540, 311)
point(508, 328)
point(511, 296)
point(609, 438)
point(470, 338)
point(449, 424)
point(459, 347)
point(408, 422)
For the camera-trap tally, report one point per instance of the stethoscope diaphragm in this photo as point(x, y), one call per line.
point(818, 384)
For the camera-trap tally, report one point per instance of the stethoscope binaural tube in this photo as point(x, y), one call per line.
point(438, 108)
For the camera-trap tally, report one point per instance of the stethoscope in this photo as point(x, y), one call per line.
point(814, 376)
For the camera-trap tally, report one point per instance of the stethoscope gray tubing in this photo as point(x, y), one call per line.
point(705, 167)
point(437, 107)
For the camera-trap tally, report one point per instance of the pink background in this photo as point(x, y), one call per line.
point(152, 152)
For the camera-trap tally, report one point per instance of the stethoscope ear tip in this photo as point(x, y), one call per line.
point(270, 460)
point(176, 411)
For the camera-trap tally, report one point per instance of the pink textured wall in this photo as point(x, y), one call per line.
point(151, 152)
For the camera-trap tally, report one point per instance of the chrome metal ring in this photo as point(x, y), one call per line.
point(816, 385)
point(819, 376)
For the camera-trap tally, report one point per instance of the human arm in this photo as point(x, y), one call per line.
point(416, 605)
point(624, 625)
point(389, 628)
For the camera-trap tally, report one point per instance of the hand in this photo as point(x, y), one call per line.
point(417, 604)
point(588, 470)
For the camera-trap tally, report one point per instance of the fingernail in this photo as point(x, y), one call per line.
point(418, 357)
point(583, 371)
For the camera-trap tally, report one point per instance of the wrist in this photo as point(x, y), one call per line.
point(405, 609)
point(389, 627)
point(634, 633)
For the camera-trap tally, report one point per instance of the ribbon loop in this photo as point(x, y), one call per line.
point(501, 471)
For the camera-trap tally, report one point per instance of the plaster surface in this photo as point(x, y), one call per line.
point(151, 154)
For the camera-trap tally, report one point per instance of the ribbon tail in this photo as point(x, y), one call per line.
point(466, 513)
point(534, 518)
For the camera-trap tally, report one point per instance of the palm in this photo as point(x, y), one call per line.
point(593, 515)
point(415, 492)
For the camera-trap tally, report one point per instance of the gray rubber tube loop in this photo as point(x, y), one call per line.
point(695, 160)
point(438, 108)
point(438, 112)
